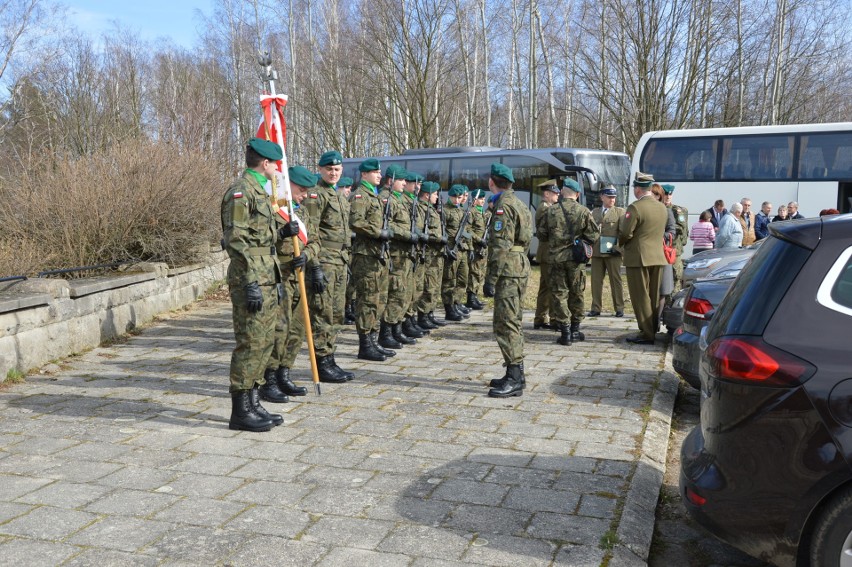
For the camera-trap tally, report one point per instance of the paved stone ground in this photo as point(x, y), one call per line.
point(123, 455)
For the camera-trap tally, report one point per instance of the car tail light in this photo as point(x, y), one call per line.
point(697, 307)
point(752, 360)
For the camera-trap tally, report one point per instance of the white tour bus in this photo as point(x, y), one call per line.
point(471, 166)
point(807, 163)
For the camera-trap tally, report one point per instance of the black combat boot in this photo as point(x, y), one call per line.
point(367, 350)
point(243, 416)
point(402, 336)
point(450, 314)
point(409, 329)
point(327, 372)
point(282, 376)
point(473, 302)
point(564, 334)
point(260, 410)
point(270, 392)
point(576, 334)
point(374, 338)
point(514, 385)
point(349, 313)
point(424, 323)
point(346, 374)
point(416, 326)
point(386, 339)
point(431, 317)
point(498, 382)
point(465, 312)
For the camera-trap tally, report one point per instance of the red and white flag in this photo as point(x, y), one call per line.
point(303, 230)
point(273, 127)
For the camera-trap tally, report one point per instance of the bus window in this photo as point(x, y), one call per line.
point(680, 159)
point(471, 171)
point(529, 172)
point(437, 170)
point(825, 156)
point(757, 157)
point(609, 169)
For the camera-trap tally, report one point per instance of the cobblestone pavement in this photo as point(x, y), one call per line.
point(122, 455)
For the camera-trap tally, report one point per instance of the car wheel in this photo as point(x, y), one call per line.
point(831, 543)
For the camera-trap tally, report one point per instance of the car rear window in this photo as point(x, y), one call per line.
point(758, 290)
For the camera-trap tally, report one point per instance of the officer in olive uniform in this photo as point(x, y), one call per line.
point(508, 271)
point(369, 259)
point(681, 216)
point(606, 255)
point(253, 278)
point(641, 237)
point(549, 196)
point(476, 254)
point(328, 250)
point(290, 326)
point(429, 288)
point(455, 263)
point(565, 222)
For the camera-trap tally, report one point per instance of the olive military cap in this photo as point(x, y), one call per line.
point(500, 170)
point(371, 164)
point(301, 176)
point(330, 158)
point(266, 149)
point(643, 179)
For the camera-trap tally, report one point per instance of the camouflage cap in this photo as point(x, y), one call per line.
point(371, 164)
point(301, 176)
point(266, 149)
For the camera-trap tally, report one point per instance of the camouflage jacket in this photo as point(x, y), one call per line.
point(453, 215)
point(509, 238)
point(324, 209)
point(542, 253)
point(681, 216)
point(563, 223)
point(365, 220)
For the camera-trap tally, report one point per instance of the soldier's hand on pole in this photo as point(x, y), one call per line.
point(488, 290)
point(288, 230)
point(318, 280)
point(299, 261)
point(254, 298)
point(386, 234)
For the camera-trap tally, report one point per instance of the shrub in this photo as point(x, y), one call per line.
point(136, 201)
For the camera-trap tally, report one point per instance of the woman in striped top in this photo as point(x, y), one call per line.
point(702, 234)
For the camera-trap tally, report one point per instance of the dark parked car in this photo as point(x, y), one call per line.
point(700, 265)
point(768, 468)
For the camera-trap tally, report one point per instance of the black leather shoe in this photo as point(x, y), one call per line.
point(261, 411)
point(270, 392)
point(619, 313)
point(374, 338)
point(514, 383)
point(346, 374)
point(243, 416)
point(328, 373)
point(386, 339)
point(451, 314)
point(431, 317)
point(594, 313)
point(367, 350)
point(282, 376)
point(640, 340)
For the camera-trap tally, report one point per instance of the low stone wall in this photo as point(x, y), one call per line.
point(46, 319)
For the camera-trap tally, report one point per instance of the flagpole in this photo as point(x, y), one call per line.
point(270, 77)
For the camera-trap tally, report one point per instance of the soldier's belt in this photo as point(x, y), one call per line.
point(262, 251)
point(516, 249)
point(333, 245)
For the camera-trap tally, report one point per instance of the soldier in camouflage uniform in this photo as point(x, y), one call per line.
point(413, 184)
point(328, 250)
point(477, 253)
point(290, 327)
point(681, 216)
point(369, 260)
point(429, 286)
point(506, 278)
point(344, 187)
point(253, 279)
point(565, 222)
point(549, 196)
point(455, 263)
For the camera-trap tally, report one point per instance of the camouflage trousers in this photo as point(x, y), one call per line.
point(371, 291)
point(399, 287)
point(418, 277)
point(476, 274)
point(430, 285)
point(454, 282)
point(677, 270)
point(567, 283)
point(254, 334)
point(327, 308)
point(508, 313)
point(290, 327)
point(607, 265)
point(544, 300)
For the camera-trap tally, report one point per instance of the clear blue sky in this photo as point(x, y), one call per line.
point(151, 19)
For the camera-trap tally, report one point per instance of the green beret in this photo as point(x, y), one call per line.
point(430, 187)
point(457, 190)
point(330, 158)
point(569, 183)
point(345, 182)
point(669, 189)
point(643, 179)
point(500, 170)
point(395, 171)
point(477, 193)
point(301, 176)
point(266, 149)
point(371, 164)
point(412, 177)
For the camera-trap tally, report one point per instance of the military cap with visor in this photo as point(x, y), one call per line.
point(609, 192)
point(643, 180)
point(330, 158)
point(266, 149)
point(301, 176)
